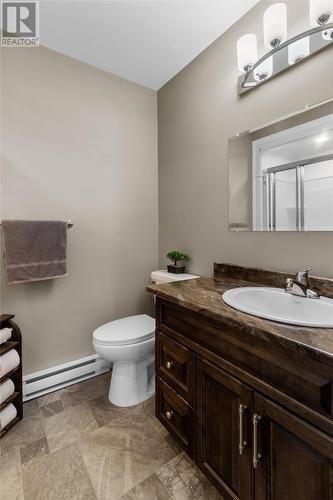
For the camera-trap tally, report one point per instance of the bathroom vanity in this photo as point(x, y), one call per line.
point(249, 400)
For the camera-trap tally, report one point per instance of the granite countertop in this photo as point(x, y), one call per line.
point(204, 296)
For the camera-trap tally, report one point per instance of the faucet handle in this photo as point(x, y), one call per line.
point(289, 285)
point(303, 277)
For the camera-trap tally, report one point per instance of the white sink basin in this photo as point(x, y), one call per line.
point(277, 305)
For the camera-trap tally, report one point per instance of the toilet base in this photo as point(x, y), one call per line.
point(132, 382)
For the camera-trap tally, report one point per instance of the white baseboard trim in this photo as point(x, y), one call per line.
point(45, 381)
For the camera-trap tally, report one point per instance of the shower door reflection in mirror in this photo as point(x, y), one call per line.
point(281, 175)
point(299, 197)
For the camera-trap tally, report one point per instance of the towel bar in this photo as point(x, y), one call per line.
point(69, 224)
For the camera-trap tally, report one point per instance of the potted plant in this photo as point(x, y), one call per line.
point(177, 256)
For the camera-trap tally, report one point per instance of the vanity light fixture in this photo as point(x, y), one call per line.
point(298, 50)
point(275, 25)
point(320, 12)
point(247, 52)
point(264, 70)
point(283, 53)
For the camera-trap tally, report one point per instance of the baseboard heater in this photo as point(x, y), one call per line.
point(49, 380)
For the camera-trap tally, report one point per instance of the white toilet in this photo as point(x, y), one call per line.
point(130, 344)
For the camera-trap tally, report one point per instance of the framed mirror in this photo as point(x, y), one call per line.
point(281, 175)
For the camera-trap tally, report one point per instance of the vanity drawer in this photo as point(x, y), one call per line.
point(176, 415)
point(175, 365)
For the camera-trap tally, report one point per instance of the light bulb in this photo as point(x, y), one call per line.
point(247, 52)
point(264, 70)
point(275, 25)
point(320, 12)
point(298, 50)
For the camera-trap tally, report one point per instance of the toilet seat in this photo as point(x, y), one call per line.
point(125, 331)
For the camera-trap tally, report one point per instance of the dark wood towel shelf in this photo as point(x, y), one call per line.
point(9, 426)
point(8, 346)
point(9, 400)
point(10, 374)
point(15, 375)
point(4, 319)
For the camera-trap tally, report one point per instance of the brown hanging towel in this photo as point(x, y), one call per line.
point(34, 250)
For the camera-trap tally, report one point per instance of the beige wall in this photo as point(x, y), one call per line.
point(79, 143)
point(198, 111)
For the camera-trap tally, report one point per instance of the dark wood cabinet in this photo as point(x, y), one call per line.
point(244, 439)
point(223, 430)
point(295, 460)
point(15, 342)
point(253, 439)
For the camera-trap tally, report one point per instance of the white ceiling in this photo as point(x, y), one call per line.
point(147, 42)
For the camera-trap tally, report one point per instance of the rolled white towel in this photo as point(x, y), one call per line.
point(7, 415)
point(7, 388)
point(5, 334)
point(9, 361)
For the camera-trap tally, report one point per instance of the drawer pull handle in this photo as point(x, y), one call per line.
point(169, 415)
point(169, 365)
point(242, 443)
point(256, 455)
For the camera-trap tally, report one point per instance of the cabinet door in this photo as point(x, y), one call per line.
point(293, 459)
point(223, 430)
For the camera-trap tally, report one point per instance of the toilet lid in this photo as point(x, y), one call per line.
point(130, 330)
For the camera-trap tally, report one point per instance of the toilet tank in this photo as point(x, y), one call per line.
point(162, 276)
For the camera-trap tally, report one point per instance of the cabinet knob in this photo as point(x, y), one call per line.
point(169, 415)
point(169, 365)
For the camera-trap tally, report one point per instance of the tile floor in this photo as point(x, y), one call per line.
point(74, 444)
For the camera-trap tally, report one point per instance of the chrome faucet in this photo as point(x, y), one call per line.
point(300, 286)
